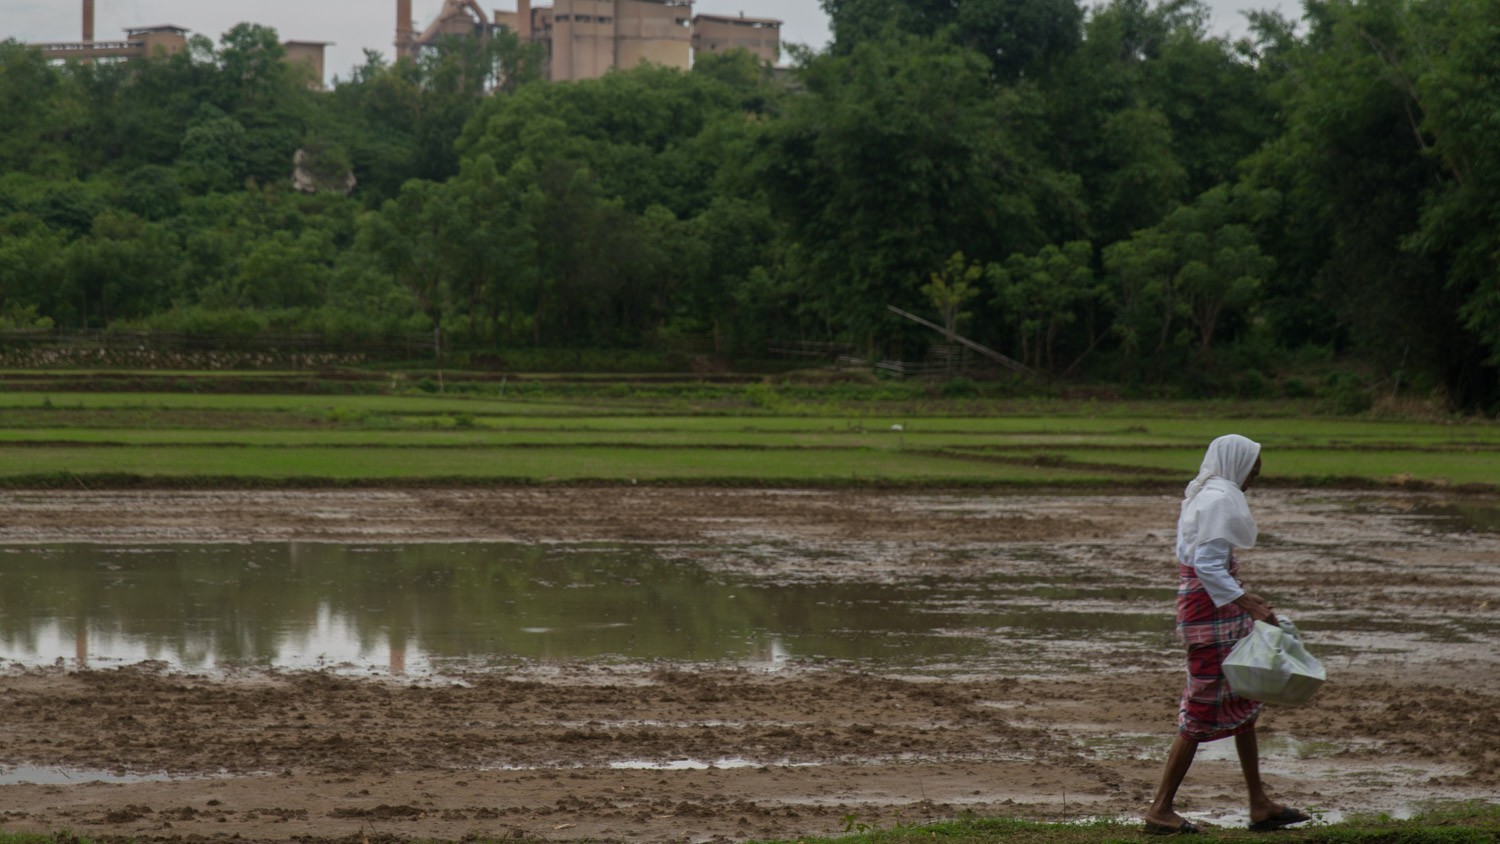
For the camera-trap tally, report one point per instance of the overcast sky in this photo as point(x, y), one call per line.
point(357, 25)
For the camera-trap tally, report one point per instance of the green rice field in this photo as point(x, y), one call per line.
point(729, 434)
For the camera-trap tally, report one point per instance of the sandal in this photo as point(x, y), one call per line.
point(1286, 817)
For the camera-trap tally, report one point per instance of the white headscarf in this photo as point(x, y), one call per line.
point(1213, 506)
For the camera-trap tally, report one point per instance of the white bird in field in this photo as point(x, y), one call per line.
point(897, 428)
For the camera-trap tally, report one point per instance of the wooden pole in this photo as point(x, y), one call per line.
point(1008, 363)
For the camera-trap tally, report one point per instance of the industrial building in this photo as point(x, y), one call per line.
point(585, 39)
point(138, 42)
point(717, 33)
point(164, 39)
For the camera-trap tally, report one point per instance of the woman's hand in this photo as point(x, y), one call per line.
point(1257, 607)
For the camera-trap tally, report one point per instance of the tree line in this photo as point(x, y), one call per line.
point(1108, 192)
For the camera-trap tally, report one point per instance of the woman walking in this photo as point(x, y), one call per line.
point(1213, 612)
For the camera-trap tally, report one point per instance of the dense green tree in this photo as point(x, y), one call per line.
point(639, 133)
point(42, 114)
point(1041, 294)
point(1362, 166)
point(1331, 183)
point(492, 243)
point(1452, 82)
point(408, 237)
point(1019, 37)
point(1221, 265)
point(122, 269)
point(399, 121)
point(1194, 270)
point(740, 297)
point(899, 155)
point(213, 154)
point(1150, 111)
point(32, 268)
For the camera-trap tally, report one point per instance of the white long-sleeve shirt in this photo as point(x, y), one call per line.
point(1211, 562)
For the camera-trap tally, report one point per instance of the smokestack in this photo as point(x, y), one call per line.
point(403, 28)
point(523, 23)
point(88, 20)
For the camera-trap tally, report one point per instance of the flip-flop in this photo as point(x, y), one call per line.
point(1286, 817)
point(1187, 828)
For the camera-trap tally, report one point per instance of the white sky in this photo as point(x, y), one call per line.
point(355, 25)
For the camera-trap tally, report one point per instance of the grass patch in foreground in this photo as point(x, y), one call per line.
point(1466, 824)
point(1469, 824)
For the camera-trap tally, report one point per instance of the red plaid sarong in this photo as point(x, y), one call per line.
point(1209, 709)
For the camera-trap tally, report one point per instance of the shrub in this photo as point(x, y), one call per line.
point(1250, 384)
point(763, 396)
point(960, 388)
point(1347, 393)
point(1296, 388)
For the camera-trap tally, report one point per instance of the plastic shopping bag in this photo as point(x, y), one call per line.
point(1270, 665)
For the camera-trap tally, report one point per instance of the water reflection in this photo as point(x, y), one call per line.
point(1460, 517)
point(1440, 516)
point(422, 607)
point(48, 775)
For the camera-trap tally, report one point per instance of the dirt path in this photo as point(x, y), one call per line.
point(644, 753)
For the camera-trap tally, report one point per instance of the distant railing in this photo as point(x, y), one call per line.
point(270, 343)
point(941, 362)
point(89, 46)
point(808, 350)
point(688, 345)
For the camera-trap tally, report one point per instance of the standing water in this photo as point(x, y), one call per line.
point(434, 607)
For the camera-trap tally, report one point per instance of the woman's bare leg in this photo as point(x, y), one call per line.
point(1179, 759)
point(1248, 747)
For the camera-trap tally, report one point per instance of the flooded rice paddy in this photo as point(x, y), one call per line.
point(669, 665)
point(449, 606)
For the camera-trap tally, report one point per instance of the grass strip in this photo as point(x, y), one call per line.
point(1294, 465)
point(284, 403)
point(538, 464)
point(400, 438)
point(1474, 825)
point(1167, 426)
point(461, 434)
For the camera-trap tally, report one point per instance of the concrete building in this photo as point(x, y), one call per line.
point(139, 42)
point(165, 40)
point(718, 33)
point(311, 54)
point(587, 38)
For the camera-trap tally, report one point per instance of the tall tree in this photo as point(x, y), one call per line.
point(1041, 294)
point(1020, 38)
point(1364, 161)
point(899, 155)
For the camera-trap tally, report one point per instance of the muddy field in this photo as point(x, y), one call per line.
point(1401, 593)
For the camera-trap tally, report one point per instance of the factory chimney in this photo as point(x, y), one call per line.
point(523, 20)
point(88, 20)
point(404, 31)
